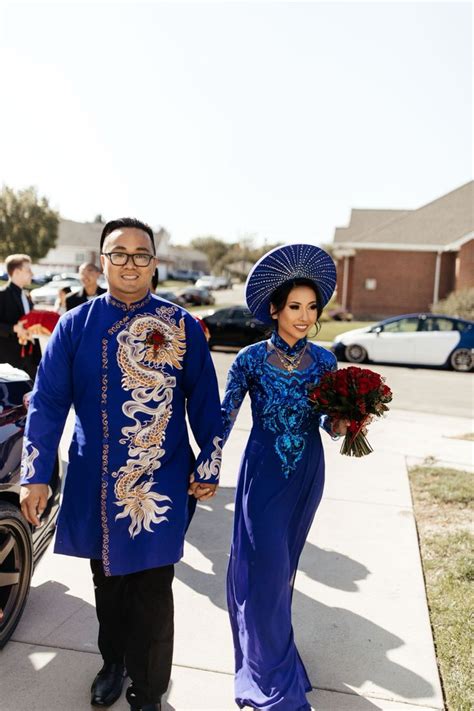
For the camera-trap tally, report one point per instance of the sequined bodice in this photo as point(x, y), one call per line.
point(279, 398)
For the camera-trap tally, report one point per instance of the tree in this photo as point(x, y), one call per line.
point(27, 223)
point(459, 304)
point(244, 251)
point(212, 247)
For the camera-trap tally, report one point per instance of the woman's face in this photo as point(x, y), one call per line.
point(298, 314)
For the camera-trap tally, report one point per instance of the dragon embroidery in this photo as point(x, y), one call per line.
point(148, 344)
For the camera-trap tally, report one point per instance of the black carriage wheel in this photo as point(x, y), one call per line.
point(16, 566)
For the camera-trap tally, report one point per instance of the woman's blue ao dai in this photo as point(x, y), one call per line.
point(279, 488)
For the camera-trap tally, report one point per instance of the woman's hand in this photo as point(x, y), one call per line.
point(339, 427)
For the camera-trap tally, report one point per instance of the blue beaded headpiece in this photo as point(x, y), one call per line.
point(282, 264)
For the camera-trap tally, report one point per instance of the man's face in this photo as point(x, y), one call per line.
point(128, 283)
point(23, 275)
point(88, 277)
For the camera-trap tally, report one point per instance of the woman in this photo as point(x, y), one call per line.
point(60, 303)
point(282, 472)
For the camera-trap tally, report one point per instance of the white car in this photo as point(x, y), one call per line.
point(426, 339)
point(208, 282)
point(48, 293)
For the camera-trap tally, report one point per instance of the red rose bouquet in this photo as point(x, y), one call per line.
point(354, 394)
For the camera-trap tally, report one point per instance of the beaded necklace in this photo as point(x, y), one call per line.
point(290, 363)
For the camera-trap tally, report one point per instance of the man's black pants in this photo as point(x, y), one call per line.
point(135, 614)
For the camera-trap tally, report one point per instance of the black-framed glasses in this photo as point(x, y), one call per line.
point(120, 259)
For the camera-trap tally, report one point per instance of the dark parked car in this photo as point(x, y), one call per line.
point(197, 297)
point(425, 339)
point(184, 275)
point(234, 326)
point(170, 296)
point(20, 546)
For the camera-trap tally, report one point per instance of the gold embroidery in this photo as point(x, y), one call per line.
point(129, 307)
point(27, 466)
point(209, 469)
point(105, 463)
point(141, 363)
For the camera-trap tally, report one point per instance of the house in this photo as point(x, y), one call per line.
point(78, 242)
point(401, 261)
point(188, 259)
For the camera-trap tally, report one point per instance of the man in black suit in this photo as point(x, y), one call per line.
point(88, 274)
point(15, 303)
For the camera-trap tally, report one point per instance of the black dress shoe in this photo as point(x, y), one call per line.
point(134, 704)
point(107, 686)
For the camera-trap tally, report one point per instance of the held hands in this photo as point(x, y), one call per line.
point(33, 500)
point(201, 490)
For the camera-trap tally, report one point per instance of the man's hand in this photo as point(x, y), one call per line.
point(33, 500)
point(201, 490)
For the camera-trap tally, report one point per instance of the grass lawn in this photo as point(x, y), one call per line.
point(443, 508)
point(330, 329)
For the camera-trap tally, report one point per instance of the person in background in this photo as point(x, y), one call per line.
point(88, 274)
point(60, 303)
point(15, 303)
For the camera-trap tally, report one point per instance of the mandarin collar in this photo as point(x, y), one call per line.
point(282, 345)
point(112, 301)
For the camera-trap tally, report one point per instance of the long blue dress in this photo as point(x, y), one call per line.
point(279, 488)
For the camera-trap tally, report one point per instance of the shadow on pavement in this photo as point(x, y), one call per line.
point(53, 657)
point(340, 648)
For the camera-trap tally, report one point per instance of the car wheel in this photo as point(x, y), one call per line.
point(462, 360)
point(16, 567)
point(355, 353)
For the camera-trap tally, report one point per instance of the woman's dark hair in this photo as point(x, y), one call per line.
point(279, 297)
point(122, 222)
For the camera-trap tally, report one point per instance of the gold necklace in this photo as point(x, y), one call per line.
point(290, 363)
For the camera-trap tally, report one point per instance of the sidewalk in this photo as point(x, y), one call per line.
point(360, 615)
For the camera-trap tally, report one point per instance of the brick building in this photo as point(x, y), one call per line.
point(401, 261)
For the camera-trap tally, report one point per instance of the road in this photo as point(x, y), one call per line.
point(439, 392)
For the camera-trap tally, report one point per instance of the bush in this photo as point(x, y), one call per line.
point(459, 304)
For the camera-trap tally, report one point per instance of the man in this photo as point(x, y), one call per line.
point(132, 365)
point(88, 274)
point(15, 303)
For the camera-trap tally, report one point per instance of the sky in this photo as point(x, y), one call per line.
point(235, 119)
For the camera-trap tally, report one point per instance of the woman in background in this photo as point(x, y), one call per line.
point(60, 303)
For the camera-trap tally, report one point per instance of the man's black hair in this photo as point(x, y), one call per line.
point(122, 222)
